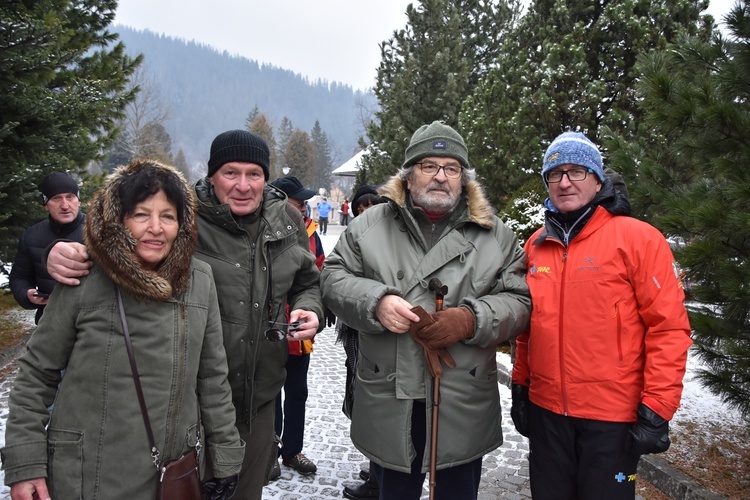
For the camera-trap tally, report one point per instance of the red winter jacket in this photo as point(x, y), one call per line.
point(609, 329)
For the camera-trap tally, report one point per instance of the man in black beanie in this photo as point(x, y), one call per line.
point(29, 280)
point(258, 249)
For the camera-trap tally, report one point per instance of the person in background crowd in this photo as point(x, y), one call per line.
point(29, 281)
point(598, 375)
point(258, 249)
point(345, 213)
point(324, 210)
point(141, 232)
point(364, 198)
point(436, 224)
point(290, 420)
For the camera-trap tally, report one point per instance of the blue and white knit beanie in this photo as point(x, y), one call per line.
point(576, 149)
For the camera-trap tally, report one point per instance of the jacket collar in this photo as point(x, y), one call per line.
point(58, 228)
point(277, 216)
point(479, 209)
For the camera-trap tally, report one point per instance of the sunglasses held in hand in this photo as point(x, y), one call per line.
point(280, 331)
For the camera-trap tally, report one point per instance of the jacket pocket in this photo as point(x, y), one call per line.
point(65, 463)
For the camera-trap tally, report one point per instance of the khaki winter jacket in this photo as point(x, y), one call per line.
point(480, 260)
point(96, 444)
point(241, 270)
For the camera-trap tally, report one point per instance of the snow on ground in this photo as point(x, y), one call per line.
point(699, 408)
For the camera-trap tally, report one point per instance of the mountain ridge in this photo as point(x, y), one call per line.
point(208, 91)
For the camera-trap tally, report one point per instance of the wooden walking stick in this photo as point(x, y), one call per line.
point(440, 290)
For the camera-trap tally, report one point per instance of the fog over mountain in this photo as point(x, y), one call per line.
point(208, 92)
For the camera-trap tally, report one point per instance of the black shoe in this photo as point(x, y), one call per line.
point(275, 472)
point(364, 474)
point(363, 491)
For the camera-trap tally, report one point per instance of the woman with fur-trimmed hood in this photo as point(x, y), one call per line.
point(141, 232)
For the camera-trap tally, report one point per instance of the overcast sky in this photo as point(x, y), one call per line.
point(336, 40)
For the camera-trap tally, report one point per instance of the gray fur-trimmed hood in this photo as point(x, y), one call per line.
point(480, 210)
point(111, 244)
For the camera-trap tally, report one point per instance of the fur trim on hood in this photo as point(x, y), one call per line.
point(480, 210)
point(111, 244)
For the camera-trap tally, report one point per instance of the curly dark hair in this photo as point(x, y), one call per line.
point(139, 184)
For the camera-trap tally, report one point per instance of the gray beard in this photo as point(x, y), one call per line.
point(433, 203)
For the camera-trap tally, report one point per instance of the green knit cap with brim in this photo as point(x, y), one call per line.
point(436, 139)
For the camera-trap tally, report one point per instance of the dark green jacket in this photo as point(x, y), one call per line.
point(241, 268)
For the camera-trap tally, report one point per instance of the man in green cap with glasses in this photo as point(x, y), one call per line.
point(436, 225)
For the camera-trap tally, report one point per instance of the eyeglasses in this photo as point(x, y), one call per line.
point(281, 330)
point(574, 175)
point(452, 170)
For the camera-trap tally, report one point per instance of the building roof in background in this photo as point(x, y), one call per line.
point(351, 166)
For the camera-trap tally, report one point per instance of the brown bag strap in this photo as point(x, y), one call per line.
point(137, 380)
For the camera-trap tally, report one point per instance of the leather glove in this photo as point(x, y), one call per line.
point(220, 488)
point(329, 317)
point(450, 325)
point(650, 434)
point(519, 409)
point(433, 357)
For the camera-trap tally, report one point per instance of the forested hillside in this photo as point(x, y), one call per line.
point(207, 92)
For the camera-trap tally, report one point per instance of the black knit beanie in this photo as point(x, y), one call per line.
point(57, 183)
point(238, 145)
point(362, 191)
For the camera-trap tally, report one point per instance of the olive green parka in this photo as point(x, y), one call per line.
point(95, 445)
point(384, 251)
point(241, 267)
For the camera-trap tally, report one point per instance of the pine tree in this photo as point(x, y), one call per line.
point(285, 133)
point(62, 81)
point(567, 66)
point(323, 162)
point(300, 157)
point(261, 126)
point(154, 142)
point(181, 164)
point(428, 69)
point(251, 116)
point(693, 183)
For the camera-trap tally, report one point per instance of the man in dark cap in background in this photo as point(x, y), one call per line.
point(29, 280)
point(290, 420)
point(258, 249)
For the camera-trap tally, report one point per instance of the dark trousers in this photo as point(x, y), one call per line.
point(459, 482)
point(258, 454)
point(323, 221)
point(578, 458)
point(290, 425)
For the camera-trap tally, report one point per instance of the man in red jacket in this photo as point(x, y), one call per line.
point(598, 375)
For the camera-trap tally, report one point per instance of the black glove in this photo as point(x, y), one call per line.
point(650, 434)
point(329, 317)
point(220, 488)
point(519, 410)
